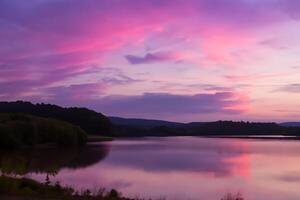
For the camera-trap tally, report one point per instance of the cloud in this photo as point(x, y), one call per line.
point(153, 57)
point(274, 43)
point(293, 88)
point(250, 77)
point(77, 92)
point(120, 80)
point(56, 44)
point(17, 89)
point(164, 104)
point(50, 84)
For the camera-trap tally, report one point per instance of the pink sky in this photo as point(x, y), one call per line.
point(182, 60)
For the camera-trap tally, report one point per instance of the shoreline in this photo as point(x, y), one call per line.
point(255, 137)
point(247, 137)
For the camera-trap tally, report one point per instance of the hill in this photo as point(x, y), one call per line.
point(143, 123)
point(95, 123)
point(21, 129)
point(90, 121)
point(141, 127)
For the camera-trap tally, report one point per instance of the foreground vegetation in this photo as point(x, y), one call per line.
point(17, 130)
point(27, 188)
point(23, 188)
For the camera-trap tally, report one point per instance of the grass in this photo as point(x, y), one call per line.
point(23, 188)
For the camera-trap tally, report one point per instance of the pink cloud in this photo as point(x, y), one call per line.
point(52, 44)
point(294, 88)
point(255, 76)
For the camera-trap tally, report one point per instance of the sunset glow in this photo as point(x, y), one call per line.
point(181, 60)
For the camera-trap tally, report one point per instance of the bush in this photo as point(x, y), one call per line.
point(30, 189)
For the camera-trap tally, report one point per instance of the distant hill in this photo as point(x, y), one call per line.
point(143, 127)
point(236, 128)
point(143, 123)
point(290, 124)
point(90, 121)
point(95, 123)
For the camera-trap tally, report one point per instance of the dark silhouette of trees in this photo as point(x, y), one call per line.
point(236, 128)
point(97, 124)
point(90, 121)
point(21, 129)
point(219, 128)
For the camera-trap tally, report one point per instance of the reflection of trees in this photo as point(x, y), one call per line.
point(230, 196)
point(50, 159)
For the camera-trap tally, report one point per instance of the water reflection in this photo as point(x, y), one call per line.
point(173, 167)
point(176, 154)
point(50, 160)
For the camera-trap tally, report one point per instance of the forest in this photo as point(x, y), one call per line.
point(19, 130)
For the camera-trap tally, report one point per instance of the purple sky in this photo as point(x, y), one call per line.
point(182, 60)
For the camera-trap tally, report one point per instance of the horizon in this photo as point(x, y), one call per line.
point(178, 61)
point(153, 119)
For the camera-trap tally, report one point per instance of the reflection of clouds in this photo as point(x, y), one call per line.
point(290, 178)
point(240, 165)
point(192, 168)
point(178, 154)
point(274, 147)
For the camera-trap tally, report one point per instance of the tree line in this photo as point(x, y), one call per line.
point(17, 130)
point(90, 121)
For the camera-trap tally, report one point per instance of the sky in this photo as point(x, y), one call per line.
point(178, 60)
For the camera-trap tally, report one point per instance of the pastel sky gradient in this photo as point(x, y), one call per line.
point(181, 60)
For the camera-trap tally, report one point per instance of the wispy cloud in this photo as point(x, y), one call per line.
point(248, 77)
point(76, 93)
point(59, 47)
point(154, 57)
point(294, 88)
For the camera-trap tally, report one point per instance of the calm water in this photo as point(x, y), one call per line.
point(172, 167)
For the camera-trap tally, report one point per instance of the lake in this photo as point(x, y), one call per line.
point(176, 168)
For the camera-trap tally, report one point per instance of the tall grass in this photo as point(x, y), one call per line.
point(28, 188)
